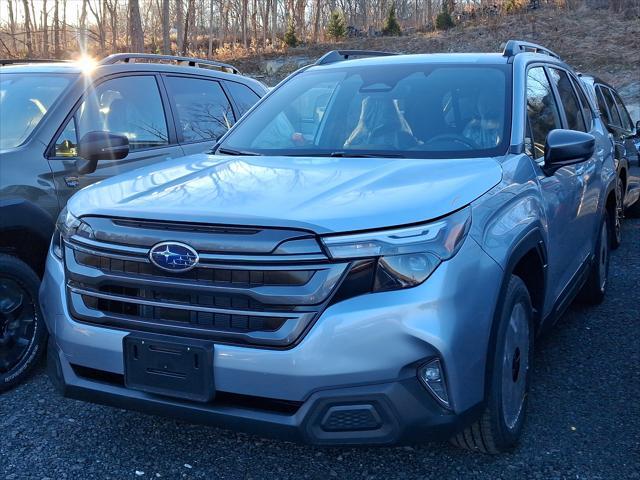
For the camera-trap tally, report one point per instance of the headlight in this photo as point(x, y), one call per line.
point(68, 225)
point(406, 256)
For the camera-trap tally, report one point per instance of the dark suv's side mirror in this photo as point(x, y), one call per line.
point(95, 146)
point(567, 147)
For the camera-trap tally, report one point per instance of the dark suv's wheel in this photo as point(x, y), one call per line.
point(22, 331)
point(595, 288)
point(616, 230)
point(500, 426)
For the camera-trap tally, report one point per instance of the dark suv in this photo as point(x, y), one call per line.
point(56, 120)
point(624, 135)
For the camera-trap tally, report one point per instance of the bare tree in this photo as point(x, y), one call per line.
point(180, 25)
point(27, 29)
point(210, 49)
point(45, 30)
point(83, 25)
point(166, 27)
point(12, 26)
point(56, 29)
point(112, 7)
point(189, 20)
point(136, 35)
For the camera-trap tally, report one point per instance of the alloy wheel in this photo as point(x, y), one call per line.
point(17, 322)
point(515, 365)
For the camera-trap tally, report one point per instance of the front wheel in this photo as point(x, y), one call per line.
point(22, 332)
point(500, 426)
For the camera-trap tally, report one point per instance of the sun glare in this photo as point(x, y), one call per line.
point(86, 63)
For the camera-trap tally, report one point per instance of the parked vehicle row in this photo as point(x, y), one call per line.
point(366, 257)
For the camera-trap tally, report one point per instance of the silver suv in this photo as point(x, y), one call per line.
point(366, 258)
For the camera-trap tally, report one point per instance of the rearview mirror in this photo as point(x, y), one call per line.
point(567, 147)
point(95, 146)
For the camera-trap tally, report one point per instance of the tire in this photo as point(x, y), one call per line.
point(500, 426)
point(616, 228)
point(23, 334)
point(633, 210)
point(595, 288)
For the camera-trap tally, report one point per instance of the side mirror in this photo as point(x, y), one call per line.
point(638, 127)
point(567, 147)
point(95, 146)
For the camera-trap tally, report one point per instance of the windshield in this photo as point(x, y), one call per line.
point(419, 111)
point(24, 101)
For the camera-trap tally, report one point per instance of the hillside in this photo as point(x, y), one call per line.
point(592, 41)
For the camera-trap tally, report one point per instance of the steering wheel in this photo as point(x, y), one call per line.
point(453, 137)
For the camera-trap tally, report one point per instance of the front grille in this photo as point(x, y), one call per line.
point(212, 275)
point(267, 294)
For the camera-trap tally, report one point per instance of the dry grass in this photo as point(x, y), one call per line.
point(593, 41)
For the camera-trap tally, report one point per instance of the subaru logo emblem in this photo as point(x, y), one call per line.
point(173, 256)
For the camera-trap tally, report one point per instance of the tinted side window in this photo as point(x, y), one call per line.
point(586, 106)
point(129, 106)
point(243, 96)
point(602, 106)
point(202, 108)
point(542, 111)
point(568, 99)
point(627, 123)
point(613, 111)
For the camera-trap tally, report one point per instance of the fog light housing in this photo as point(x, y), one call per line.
point(431, 375)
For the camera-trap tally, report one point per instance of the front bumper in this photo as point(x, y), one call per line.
point(365, 349)
point(386, 413)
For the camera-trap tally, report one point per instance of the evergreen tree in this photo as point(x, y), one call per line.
point(391, 26)
point(290, 35)
point(444, 21)
point(336, 28)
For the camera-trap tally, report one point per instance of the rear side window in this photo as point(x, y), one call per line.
point(542, 111)
point(202, 108)
point(586, 106)
point(613, 111)
point(243, 96)
point(626, 121)
point(602, 106)
point(568, 99)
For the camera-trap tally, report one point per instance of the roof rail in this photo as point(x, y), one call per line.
point(190, 61)
point(514, 47)
point(340, 55)
point(20, 61)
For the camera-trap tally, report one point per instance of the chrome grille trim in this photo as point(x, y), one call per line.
point(117, 286)
point(177, 306)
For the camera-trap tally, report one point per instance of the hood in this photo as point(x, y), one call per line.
point(323, 195)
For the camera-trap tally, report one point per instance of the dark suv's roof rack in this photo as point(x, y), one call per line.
point(21, 61)
point(514, 47)
point(340, 55)
point(190, 61)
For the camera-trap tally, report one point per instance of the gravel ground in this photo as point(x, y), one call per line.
point(584, 420)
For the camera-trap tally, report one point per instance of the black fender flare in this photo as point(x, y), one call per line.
point(531, 239)
point(21, 214)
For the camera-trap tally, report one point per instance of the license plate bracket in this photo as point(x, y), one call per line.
point(171, 366)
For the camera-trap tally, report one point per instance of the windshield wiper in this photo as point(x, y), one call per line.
point(230, 151)
point(366, 155)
